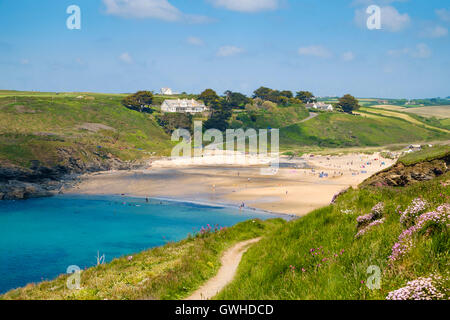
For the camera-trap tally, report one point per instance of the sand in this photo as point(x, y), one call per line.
point(296, 189)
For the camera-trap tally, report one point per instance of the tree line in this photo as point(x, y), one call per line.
point(221, 107)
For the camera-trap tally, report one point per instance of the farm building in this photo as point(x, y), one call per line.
point(166, 91)
point(320, 106)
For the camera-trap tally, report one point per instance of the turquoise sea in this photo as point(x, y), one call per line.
point(40, 238)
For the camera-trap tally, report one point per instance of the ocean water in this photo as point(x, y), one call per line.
point(40, 238)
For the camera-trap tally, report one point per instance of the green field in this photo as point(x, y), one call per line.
point(332, 130)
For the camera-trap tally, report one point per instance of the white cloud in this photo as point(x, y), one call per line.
point(434, 32)
point(150, 9)
point(348, 56)
point(228, 51)
point(443, 14)
point(247, 5)
point(195, 41)
point(421, 51)
point(391, 19)
point(126, 58)
point(24, 62)
point(315, 51)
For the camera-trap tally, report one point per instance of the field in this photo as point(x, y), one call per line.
point(333, 130)
point(440, 112)
point(404, 116)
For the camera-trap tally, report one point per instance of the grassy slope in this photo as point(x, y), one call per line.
point(408, 117)
point(33, 127)
point(173, 271)
point(427, 154)
point(281, 117)
point(265, 271)
point(342, 130)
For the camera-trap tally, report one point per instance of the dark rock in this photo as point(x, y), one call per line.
point(400, 175)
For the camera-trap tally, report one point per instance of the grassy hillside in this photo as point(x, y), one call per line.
point(173, 271)
point(85, 126)
point(426, 154)
point(277, 118)
point(343, 130)
point(325, 255)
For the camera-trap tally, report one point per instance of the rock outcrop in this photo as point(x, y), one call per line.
point(401, 175)
point(18, 183)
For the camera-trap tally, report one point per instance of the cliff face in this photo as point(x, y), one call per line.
point(40, 181)
point(401, 175)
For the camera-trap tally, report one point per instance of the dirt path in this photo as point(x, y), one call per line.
point(230, 262)
point(312, 115)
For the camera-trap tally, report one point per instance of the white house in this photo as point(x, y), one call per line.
point(183, 106)
point(320, 106)
point(166, 91)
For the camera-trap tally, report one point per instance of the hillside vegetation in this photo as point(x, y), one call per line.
point(276, 118)
point(54, 127)
point(400, 235)
point(344, 130)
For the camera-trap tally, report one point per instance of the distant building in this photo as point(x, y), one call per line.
point(183, 106)
point(166, 91)
point(320, 106)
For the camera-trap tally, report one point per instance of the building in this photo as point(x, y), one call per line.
point(183, 106)
point(166, 91)
point(320, 106)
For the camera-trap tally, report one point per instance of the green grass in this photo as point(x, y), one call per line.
point(266, 273)
point(337, 130)
point(426, 154)
point(173, 271)
point(39, 126)
point(278, 118)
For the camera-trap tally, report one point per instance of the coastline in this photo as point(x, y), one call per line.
point(300, 186)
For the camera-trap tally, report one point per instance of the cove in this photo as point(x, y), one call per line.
point(40, 238)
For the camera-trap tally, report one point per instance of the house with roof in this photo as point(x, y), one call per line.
point(166, 91)
point(183, 106)
point(320, 106)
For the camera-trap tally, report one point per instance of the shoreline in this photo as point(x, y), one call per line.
point(285, 216)
point(300, 186)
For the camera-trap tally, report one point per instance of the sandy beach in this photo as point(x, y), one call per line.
point(301, 184)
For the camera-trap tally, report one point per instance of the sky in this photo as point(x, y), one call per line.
point(323, 46)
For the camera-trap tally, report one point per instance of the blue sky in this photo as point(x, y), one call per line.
point(189, 45)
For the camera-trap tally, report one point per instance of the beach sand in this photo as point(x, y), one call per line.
point(296, 189)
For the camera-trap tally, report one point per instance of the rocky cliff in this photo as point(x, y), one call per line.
point(40, 181)
point(401, 175)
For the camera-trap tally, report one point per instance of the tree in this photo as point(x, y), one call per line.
point(262, 93)
point(287, 94)
point(140, 101)
point(220, 115)
point(349, 103)
point(172, 121)
point(236, 99)
point(209, 96)
point(305, 96)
